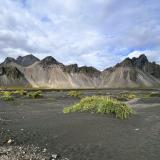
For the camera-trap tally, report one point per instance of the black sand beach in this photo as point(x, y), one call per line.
point(41, 129)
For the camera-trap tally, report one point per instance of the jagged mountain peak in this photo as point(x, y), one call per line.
point(27, 56)
point(9, 60)
point(22, 60)
point(126, 63)
point(134, 62)
point(143, 56)
point(27, 60)
point(140, 61)
point(49, 60)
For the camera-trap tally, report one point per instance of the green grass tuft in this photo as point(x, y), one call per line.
point(101, 104)
point(7, 96)
point(21, 92)
point(34, 95)
point(77, 94)
point(125, 96)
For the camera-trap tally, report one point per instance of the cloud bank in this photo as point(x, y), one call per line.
point(93, 32)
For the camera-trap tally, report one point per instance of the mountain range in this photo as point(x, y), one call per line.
point(50, 73)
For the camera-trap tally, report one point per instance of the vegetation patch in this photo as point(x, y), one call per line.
point(34, 95)
point(7, 96)
point(101, 104)
point(77, 94)
point(21, 92)
point(125, 96)
point(154, 94)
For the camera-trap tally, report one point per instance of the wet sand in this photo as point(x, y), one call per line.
point(80, 136)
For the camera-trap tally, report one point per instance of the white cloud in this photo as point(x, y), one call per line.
point(14, 52)
point(93, 32)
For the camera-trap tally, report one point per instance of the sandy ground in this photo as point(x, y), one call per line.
point(38, 130)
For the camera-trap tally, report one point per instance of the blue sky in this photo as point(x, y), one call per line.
point(96, 33)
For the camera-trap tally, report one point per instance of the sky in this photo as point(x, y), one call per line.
point(97, 33)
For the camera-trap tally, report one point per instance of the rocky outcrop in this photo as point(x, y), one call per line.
point(11, 76)
point(152, 68)
point(72, 68)
point(49, 61)
point(140, 62)
point(9, 60)
point(90, 71)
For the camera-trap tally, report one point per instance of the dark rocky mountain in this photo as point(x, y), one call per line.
point(27, 60)
point(9, 60)
point(73, 68)
point(134, 62)
point(48, 61)
point(135, 72)
point(143, 64)
point(140, 61)
point(23, 61)
point(50, 73)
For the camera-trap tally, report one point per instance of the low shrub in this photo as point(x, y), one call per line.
point(76, 94)
point(125, 96)
point(34, 95)
point(7, 96)
point(1, 92)
point(101, 104)
point(7, 93)
point(154, 94)
point(131, 96)
point(21, 92)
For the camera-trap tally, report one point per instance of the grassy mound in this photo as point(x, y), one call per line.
point(34, 95)
point(76, 94)
point(101, 104)
point(7, 96)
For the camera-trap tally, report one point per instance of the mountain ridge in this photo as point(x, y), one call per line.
point(50, 73)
